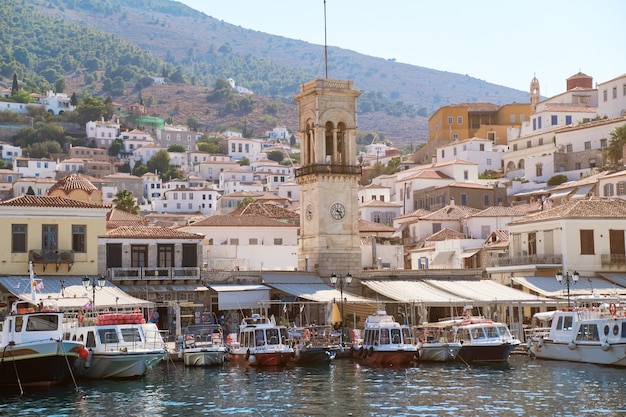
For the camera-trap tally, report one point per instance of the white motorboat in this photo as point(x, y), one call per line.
point(261, 342)
point(482, 339)
point(435, 343)
point(385, 342)
point(120, 345)
point(32, 350)
point(203, 345)
point(593, 331)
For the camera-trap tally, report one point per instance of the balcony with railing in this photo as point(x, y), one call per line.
point(328, 169)
point(613, 261)
point(56, 257)
point(496, 261)
point(154, 273)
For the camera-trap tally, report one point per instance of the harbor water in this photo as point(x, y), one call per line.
point(523, 387)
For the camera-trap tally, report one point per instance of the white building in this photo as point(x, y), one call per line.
point(239, 148)
point(481, 151)
point(8, 152)
point(186, 200)
point(211, 170)
point(56, 103)
point(34, 167)
point(612, 97)
point(247, 243)
point(102, 133)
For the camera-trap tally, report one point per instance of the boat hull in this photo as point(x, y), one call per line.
point(438, 352)
point(389, 358)
point(485, 352)
point(610, 354)
point(204, 356)
point(42, 364)
point(274, 359)
point(314, 356)
point(104, 365)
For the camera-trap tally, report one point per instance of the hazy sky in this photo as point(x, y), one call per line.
point(504, 42)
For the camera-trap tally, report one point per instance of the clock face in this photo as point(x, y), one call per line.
point(309, 212)
point(338, 211)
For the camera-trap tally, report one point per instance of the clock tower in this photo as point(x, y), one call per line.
point(328, 178)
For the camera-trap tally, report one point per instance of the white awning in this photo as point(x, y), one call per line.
point(236, 297)
point(70, 294)
point(561, 193)
point(470, 252)
point(310, 287)
point(486, 291)
point(582, 192)
point(442, 256)
point(550, 287)
point(399, 230)
point(414, 292)
point(190, 287)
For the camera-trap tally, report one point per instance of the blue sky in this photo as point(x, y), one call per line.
point(504, 42)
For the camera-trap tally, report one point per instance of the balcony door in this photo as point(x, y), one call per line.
point(49, 238)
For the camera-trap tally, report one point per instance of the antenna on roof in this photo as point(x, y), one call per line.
point(325, 43)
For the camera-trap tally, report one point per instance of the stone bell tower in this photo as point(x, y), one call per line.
point(328, 178)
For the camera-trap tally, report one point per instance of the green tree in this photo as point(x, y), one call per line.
point(60, 85)
point(43, 149)
point(192, 122)
point(244, 162)
point(245, 202)
point(90, 109)
point(159, 162)
point(140, 170)
point(176, 148)
point(73, 99)
point(557, 179)
point(277, 156)
point(15, 86)
point(115, 147)
point(615, 150)
point(125, 201)
point(221, 91)
point(208, 147)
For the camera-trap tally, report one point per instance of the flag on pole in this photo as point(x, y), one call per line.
point(39, 286)
point(87, 306)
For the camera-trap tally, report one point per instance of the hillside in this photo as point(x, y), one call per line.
point(198, 49)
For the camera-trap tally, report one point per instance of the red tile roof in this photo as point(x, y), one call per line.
point(39, 201)
point(150, 232)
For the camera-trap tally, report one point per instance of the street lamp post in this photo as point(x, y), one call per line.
point(574, 277)
point(95, 284)
point(334, 279)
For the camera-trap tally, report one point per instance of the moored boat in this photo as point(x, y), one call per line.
point(483, 340)
point(594, 331)
point(32, 350)
point(203, 345)
point(260, 342)
point(314, 345)
point(435, 343)
point(120, 345)
point(385, 342)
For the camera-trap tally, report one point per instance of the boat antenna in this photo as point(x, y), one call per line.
point(325, 42)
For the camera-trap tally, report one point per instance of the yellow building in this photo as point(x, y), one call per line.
point(476, 120)
point(59, 235)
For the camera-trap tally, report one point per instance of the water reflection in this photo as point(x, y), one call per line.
point(524, 387)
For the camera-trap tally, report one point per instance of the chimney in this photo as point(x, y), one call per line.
point(451, 201)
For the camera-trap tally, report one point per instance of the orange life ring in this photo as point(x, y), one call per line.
point(424, 337)
point(307, 334)
point(81, 317)
point(612, 308)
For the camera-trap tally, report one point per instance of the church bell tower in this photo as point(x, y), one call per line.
point(328, 178)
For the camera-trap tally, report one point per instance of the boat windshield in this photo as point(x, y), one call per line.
point(42, 323)
point(131, 335)
point(272, 336)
